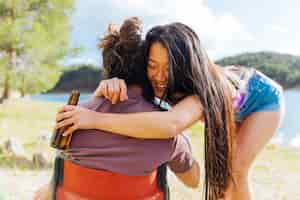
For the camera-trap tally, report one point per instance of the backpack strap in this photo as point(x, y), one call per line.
point(57, 177)
point(162, 181)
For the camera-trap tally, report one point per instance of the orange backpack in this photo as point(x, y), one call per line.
point(81, 183)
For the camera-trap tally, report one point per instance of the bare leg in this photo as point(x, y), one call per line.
point(253, 134)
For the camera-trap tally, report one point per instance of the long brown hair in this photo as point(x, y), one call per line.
point(192, 73)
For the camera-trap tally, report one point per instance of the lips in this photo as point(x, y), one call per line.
point(160, 87)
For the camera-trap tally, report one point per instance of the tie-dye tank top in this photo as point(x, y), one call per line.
point(239, 77)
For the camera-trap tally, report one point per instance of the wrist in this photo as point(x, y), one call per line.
point(95, 121)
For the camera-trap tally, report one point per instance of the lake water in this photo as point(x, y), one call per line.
point(288, 134)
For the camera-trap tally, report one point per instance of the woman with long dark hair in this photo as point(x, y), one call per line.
point(241, 108)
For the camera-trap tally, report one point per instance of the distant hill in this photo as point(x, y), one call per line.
point(284, 68)
point(84, 78)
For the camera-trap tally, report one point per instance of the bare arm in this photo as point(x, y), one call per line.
point(182, 162)
point(190, 178)
point(139, 125)
point(152, 124)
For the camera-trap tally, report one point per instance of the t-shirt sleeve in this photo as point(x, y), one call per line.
point(181, 157)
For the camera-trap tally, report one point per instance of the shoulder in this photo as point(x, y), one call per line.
point(92, 103)
point(136, 104)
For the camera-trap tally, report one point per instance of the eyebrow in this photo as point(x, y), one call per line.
point(152, 60)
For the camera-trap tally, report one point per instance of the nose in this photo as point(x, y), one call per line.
point(161, 75)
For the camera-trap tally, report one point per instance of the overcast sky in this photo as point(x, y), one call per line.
point(225, 27)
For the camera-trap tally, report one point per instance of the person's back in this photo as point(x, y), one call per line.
point(113, 162)
point(125, 163)
point(118, 153)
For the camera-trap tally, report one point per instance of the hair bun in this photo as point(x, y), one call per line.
point(131, 34)
point(111, 39)
point(122, 48)
point(127, 38)
point(131, 30)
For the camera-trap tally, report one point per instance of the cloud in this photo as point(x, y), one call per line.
point(219, 33)
point(222, 33)
point(280, 29)
point(293, 51)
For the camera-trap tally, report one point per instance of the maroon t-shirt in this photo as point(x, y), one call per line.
point(103, 150)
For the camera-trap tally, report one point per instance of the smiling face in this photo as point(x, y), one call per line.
point(157, 68)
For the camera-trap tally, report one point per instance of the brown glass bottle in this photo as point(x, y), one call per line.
point(59, 141)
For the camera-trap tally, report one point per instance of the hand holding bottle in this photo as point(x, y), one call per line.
point(75, 117)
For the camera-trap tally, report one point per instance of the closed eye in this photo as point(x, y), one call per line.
point(151, 65)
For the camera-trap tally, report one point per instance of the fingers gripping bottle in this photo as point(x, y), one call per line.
point(59, 141)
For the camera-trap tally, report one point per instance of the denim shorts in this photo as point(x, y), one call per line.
point(262, 95)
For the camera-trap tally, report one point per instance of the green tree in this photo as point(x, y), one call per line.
point(34, 37)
